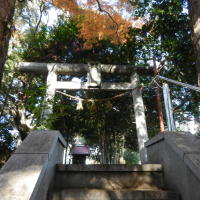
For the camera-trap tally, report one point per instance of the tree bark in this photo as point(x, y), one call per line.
point(194, 9)
point(6, 18)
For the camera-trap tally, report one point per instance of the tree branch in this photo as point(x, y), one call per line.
point(110, 16)
point(42, 9)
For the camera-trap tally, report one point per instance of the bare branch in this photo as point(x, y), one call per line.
point(42, 9)
point(110, 16)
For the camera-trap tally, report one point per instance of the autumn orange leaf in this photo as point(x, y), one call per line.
point(98, 20)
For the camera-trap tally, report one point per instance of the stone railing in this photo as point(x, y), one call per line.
point(179, 153)
point(29, 172)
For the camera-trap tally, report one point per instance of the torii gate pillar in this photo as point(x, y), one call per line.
point(140, 119)
point(51, 90)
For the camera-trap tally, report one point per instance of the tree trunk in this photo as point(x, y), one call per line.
point(6, 18)
point(158, 99)
point(194, 9)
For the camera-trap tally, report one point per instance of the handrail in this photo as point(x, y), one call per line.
point(167, 99)
point(195, 88)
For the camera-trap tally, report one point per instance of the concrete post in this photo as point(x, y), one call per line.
point(168, 108)
point(140, 118)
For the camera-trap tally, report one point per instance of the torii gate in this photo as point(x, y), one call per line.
point(94, 81)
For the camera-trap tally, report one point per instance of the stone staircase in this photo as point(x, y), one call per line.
point(110, 182)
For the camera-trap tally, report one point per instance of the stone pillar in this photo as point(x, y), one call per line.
point(141, 126)
point(50, 93)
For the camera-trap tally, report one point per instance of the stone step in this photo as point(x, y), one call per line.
point(109, 177)
point(100, 194)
